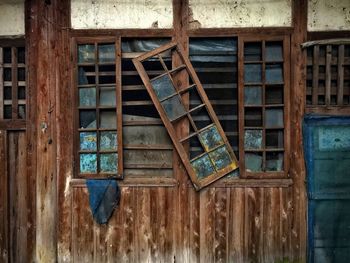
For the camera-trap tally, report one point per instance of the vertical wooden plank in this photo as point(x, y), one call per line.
point(1, 85)
point(285, 217)
point(340, 79)
point(220, 224)
point(315, 71)
point(118, 74)
point(328, 74)
point(236, 226)
point(4, 246)
point(195, 230)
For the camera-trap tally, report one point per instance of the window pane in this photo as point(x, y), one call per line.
point(109, 163)
point(86, 53)
point(108, 119)
point(173, 107)
point(221, 158)
point(21, 55)
point(87, 119)
point(86, 75)
point(273, 51)
point(252, 51)
point(7, 74)
point(274, 73)
point(253, 162)
point(107, 96)
point(163, 87)
point(252, 73)
point(210, 138)
point(274, 138)
point(7, 93)
point(253, 139)
point(274, 95)
point(253, 95)
point(106, 53)
point(7, 112)
point(201, 118)
point(273, 118)
point(7, 57)
point(88, 163)
point(253, 117)
point(21, 111)
point(274, 161)
point(203, 166)
point(87, 97)
point(108, 141)
point(21, 93)
point(21, 74)
point(88, 141)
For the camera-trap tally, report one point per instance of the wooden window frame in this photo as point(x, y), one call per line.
point(286, 107)
point(13, 123)
point(95, 41)
point(198, 183)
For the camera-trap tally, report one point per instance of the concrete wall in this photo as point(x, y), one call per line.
point(101, 14)
point(328, 15)
point(11, 17)
point(240, 13)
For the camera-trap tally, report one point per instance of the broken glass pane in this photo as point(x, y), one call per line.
point(88, 141)
point(108, 163)
point(196, 147)
point(274, 161)
point(87, 97)
point(253, 117)
point(273, 118)
point(253, 162)
point(202, 166)
point(273, 51)
point(163, 87)
point(201, 118)
point(108, 141)
point(221, 158)
point(87, 119)
point(86, 75)
point(108, 119)
point(88, 163)
point(107, 96)
point(252, 51)
point(253, 139)
point(173, 107)
point(252, 95)
point(210, 138)
point(106, 53)
point(252, 73)
point(274, 139)
point(274, 95)
point(86, 53)
point(21, 111)
point(273, 73)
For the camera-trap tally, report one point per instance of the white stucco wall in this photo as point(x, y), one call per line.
point(11, 17)
point(108, 14)
point(324, 15)
point(240, 13)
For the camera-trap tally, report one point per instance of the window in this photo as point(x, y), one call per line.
point(328, 75)
point(12, 82)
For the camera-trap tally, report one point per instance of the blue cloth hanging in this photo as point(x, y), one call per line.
point(104, 197)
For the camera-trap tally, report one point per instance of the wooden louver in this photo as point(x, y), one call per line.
point(217, 157)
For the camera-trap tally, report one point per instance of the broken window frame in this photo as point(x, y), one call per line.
point(315, 60)
point(197, 182)
point(117, 107)
point(285, 62)
point(17, 101)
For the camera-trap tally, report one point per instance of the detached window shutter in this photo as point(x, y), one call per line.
point(216, 157)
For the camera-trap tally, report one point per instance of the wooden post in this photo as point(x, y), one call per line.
point(46, 25)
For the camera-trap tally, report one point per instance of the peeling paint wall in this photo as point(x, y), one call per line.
point(240, 13)
point(11, 17)
point(328, 15)
point(108, 14)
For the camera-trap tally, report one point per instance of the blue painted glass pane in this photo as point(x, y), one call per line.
point(274, 161)
point(88, 163)
point(253, 139)
point(108, 119)
point(252, 95)
point(203, 166)
point(88, 141)
point(109, 163)
point(86, 53)
point(273, 73)
point(273, 51)
point(106, 53)
point(210, 138)
point(108, 141)
point(253, 162)
point(87, 119)
point(274, 118)
point(107, 96)
point(173, 107)
point(87, 97)
point(221, 158)
point(163, 87)
point(252, 73)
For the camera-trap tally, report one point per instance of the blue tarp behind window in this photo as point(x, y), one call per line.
point(327, 156)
